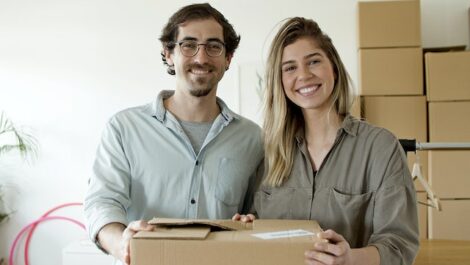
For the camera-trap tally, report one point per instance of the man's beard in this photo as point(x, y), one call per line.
point(200, 92)
point(204, 85)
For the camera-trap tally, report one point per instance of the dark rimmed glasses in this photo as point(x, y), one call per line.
point(213, 48)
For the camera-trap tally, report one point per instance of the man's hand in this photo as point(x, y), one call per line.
point(116, 238)
point(334, 251)
point(244, 218)
point(127, 235)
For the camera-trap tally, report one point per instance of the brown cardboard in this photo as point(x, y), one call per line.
point(223, 246)
point(406, 117)
point(422, 215)
point(447, 76)
point(452, 222)
point(356, 108)
point(449, 173)
point(389, 24)
point(391, 71)
point(449, 121)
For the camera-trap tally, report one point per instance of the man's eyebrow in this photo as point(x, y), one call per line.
point(188, 38)
point(195, 39)
point(215, 39)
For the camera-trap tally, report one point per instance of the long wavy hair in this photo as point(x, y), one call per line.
point(282, 118)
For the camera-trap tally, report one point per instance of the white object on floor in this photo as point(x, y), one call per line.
point(84, 252)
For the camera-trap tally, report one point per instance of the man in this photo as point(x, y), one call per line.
point(185, 155)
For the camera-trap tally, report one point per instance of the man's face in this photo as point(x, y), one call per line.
point(199, 74)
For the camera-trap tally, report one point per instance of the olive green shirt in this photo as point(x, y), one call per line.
point(363, 190)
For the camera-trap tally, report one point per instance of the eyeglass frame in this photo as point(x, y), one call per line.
point(198, 46)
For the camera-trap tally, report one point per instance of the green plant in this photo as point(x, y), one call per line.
point(13, 138)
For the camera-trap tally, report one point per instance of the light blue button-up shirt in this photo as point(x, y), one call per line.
point(146, 167)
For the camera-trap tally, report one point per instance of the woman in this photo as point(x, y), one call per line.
point(325, 165)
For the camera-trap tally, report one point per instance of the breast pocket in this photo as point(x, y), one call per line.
point(348, 214)
point(232, 182)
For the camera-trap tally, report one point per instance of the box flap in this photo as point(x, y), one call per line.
point(175, 233)
point(215, 225)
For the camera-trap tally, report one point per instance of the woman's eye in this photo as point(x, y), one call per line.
point(289, 68)
point(313, 62)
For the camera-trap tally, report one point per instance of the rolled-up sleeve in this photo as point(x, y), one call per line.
point(395, 221)
point(107, 197)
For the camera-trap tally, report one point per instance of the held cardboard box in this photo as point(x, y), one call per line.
point(389, 24)
point(391, 71)
point(204, 242)
point(406, 117)
point(452, 222)
point(447, 76)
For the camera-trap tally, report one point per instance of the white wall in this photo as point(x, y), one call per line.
point(66, 66)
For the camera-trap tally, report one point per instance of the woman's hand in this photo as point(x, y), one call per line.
point(244, 218)
point(334, 251)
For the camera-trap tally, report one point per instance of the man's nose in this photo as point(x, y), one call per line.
point(201, 55)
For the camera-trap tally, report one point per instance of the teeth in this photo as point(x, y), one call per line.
point(196, 71)
point(308, 89)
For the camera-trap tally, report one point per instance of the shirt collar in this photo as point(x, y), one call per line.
point(157, 108)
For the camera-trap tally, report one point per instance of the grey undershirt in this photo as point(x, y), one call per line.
point(196, 132)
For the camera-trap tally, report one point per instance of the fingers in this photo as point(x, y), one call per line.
point(244, 218)
point(236, 217)
point(315, 257)
point(127, 235)
point(139, 225)
point(248, 218)
point(331, 236)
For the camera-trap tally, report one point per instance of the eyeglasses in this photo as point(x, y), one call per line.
point(189, 48)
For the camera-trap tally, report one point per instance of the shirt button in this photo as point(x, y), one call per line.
point(197, 162)
point(193, 201)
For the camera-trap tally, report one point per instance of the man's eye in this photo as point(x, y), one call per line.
point(190, 45)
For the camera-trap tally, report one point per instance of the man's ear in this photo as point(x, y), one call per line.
point(228, 59)
point(168, 58)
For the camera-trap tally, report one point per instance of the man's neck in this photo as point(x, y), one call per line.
point(193, 109)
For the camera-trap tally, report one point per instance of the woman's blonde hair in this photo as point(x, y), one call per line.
point(282, 118)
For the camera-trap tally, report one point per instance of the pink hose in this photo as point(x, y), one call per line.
point(35, 223)
point(33, 227)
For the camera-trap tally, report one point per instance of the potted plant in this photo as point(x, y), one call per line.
point(14, 139)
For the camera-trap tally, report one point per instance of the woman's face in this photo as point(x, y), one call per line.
point(307, 75)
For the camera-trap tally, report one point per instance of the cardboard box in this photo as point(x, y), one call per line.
point(389, 24)
point(391, 71)
point(449, 121)
point(422, 215)
point(447, 76)
point(204, 242)
point(406, 117)
point(452, 222)
point(449, 173)
point(356, 108)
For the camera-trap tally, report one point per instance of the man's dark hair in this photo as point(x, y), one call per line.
point(195, 12)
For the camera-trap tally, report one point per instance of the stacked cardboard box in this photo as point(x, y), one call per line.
point(391, 75)
point(448, 94)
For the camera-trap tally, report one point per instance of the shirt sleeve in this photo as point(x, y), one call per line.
point(107, 197)
point(395, 219)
